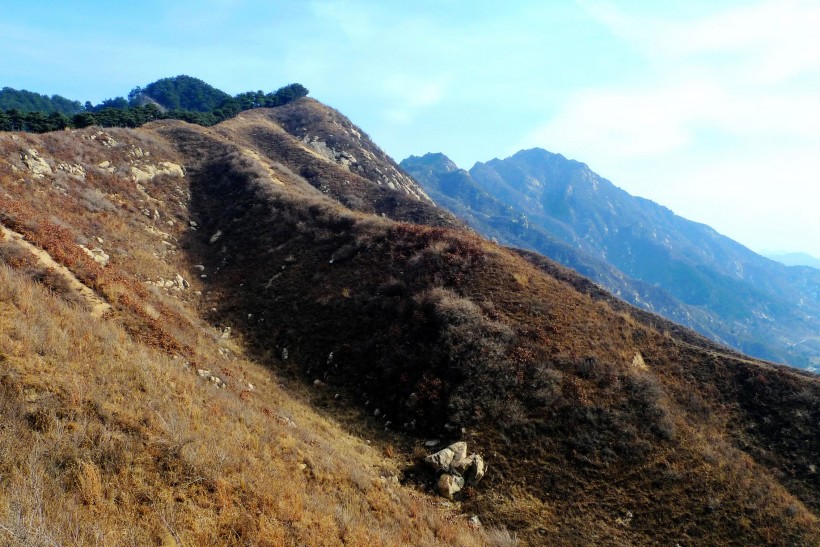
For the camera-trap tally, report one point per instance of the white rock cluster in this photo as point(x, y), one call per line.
point(456, 468)
point(179, 283)
point(211, 377)
point(97, 255)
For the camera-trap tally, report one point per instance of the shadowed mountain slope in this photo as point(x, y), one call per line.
point(684, 270)
point(600, 423)
point(145, 424)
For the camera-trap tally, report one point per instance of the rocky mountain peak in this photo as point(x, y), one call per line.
point(435, 162)
point(333, 136)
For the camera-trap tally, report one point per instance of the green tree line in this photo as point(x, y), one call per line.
point(27, 101)
point(119, 112)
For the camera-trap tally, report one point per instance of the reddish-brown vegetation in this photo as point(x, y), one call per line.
point(325, 275)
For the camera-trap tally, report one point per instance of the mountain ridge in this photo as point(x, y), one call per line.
point(794, 259)
point(690, 262)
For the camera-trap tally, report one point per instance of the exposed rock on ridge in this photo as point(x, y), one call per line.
point(333, 136)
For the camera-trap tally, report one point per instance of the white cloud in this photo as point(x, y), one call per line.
point(414, 92)
point(409, 95)
point(767, 201)
point(722, 124)
point(768, 41)
point(692, 85)
point(630, 122)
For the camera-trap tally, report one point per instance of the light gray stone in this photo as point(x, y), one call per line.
point(448, 485)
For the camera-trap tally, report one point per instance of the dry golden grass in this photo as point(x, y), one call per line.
point(105, 439)
point(438, 327)
point(109, 436)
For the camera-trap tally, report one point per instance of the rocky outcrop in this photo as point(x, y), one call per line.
point(74, 169)
point(329, 134)
point(211, 377)
point(179, 283)
point(97, 255)
point(148, 172)
point(342, 157)
point(456, 468)
point(37, 165)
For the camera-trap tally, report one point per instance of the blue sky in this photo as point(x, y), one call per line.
point(709, 108)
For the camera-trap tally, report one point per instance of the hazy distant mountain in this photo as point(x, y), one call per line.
point(707, 281)
point(794, 259)
point(456, 190)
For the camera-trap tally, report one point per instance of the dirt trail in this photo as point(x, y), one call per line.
point(97, 305)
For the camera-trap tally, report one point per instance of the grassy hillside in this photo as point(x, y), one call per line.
point(441, 330)
point(110, 434)
point(600, 423)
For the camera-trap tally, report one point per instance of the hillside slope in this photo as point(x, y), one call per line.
point(700, 278)
point(601, 424)
point(140, 423)
point(452, 337)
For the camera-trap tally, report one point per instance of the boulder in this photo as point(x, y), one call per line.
point(638, 362)
point(443, 459)
point(148, 172)
point(460, 452)
point(211, 377)
point(181, 282)
point(448, 485)
point(456, 468)
point(472, 468)
point(38, 166)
